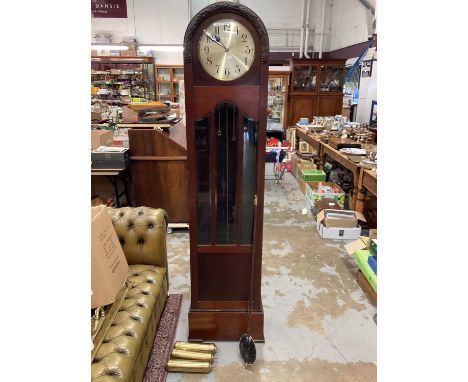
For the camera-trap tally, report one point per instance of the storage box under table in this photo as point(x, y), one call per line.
point(314, 196)
point(338, 224)
point(313, 175)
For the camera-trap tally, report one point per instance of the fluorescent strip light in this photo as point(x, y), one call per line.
point(109, 47)
point(161, 48)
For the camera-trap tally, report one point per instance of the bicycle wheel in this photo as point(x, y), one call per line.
point(276, 171)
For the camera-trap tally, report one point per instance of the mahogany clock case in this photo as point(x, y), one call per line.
point(220, 273)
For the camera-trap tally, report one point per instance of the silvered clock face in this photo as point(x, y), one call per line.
point(226, 49)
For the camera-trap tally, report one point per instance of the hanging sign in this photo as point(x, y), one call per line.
point(366, 69)
point(109, 8)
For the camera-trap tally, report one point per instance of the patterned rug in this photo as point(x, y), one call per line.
point(164, 340)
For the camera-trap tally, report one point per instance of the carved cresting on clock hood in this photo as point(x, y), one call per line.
point(226, 6)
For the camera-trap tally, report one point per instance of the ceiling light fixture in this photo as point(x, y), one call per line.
point(161, 48)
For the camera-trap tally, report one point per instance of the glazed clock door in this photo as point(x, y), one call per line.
point(226, 173)
point(226, 77)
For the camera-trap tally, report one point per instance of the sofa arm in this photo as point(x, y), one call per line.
point(142, 234)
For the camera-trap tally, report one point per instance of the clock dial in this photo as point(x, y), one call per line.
point(226, 49)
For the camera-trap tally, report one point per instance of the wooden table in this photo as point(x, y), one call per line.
point(367, 182)
point(363, 180)
point(342, 159)
point(113, 175)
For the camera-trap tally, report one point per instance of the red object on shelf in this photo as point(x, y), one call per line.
point(271, 142)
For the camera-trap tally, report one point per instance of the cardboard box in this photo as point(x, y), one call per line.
point(96, 116)
point(323, 204)
point(314, 196)
point(313, 175)
point(109, 266)
point(131, 52)
point(361, 243)
point(294, 165)
point(302, 185)
point(366, 287)
point(307, 165)
point(129, 113)
point(101, 138)
point(338, 224)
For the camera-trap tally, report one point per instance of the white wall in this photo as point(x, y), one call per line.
point(348, 24)
point(367, 93)
point(165, 21)
point(153, 22)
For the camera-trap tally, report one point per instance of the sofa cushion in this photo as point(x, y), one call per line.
point(142, 234)
point(122, 343)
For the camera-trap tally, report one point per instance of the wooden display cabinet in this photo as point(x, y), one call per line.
point(316, 88)
point(278, 88)
point(167, 82)
point(116, 80)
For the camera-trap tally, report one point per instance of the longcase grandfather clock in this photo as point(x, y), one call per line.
point(226, 79)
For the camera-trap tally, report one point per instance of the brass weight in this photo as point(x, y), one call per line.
point(190, 346)
point(193, 355)
point(187, 366)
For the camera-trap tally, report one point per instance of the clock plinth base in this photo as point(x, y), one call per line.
point(224, 325)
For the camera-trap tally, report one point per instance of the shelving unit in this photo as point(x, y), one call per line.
point(278, 83)
point(316, 88)
point(116, 80)
point(167, 82)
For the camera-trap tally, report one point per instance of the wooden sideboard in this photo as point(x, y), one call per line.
point(158, 162)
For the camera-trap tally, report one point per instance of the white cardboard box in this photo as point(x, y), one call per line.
point(338, 224)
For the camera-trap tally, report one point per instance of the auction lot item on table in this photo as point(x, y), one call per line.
point(109, 266)
point(338, 224)
point(341, 143)
point(110, 158)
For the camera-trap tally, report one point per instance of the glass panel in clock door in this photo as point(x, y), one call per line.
point(226, 172)
point(249, 178)
point(202, 150)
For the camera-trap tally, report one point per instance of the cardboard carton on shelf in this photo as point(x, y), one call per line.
point(339, 224)
point(101, 138)
point(109, 266)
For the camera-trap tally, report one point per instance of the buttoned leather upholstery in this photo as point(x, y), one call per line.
point(127, 344)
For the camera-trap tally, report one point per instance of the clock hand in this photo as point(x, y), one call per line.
point(217, 40)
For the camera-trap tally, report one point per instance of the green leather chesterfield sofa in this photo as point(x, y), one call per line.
point(123, 342)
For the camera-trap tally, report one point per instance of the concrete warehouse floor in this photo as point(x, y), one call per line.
point(318, 322)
